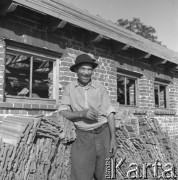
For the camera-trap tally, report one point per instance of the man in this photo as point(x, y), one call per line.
point(86, 103)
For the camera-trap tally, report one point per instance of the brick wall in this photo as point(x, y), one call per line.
point(73, 41)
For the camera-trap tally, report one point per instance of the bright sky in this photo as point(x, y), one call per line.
point(160, 14)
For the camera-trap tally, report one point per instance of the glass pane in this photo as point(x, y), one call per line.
point(17, 74)
point(156, 95)
point(131, 95)
point(162, 96)
point(42, 78)
point(120, 90)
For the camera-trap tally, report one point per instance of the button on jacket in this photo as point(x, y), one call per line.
point(78, 98)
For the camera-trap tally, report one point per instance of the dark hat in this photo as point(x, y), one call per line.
point(83, 58)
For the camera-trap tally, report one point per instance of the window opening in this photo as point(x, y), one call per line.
point(160, 95)
point(126, 90)
point(28, 75)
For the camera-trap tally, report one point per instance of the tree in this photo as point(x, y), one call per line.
point(135, 25)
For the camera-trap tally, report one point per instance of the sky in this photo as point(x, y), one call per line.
point(160, 14)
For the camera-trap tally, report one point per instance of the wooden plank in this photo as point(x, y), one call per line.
point(126, 47)
point(31, 76)
point(98, 38)
point(57, 82)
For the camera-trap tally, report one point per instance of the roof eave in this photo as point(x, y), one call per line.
point(73, 15)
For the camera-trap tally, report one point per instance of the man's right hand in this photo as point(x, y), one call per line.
point(91, 114)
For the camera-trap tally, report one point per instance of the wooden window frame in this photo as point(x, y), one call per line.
point(37, 52)
point(136, 88)
point(158, 84)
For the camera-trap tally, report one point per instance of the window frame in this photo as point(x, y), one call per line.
point(135, 77)
point(37, 52)
point(165, 84)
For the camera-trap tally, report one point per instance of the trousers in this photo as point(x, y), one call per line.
point(88, 155)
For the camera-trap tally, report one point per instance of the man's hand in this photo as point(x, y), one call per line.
point(113, 147)
point(91, 114)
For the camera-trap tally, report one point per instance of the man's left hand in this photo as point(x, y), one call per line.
point(113, 147)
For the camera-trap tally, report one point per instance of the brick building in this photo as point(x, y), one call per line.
point(39, 41)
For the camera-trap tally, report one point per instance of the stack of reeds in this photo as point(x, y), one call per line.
point(38, 148)
point(151, 145)
point(16, 138)
point(35, 148)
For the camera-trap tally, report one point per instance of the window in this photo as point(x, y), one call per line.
point(160, 95)
point(30, 74)
point(126, 90)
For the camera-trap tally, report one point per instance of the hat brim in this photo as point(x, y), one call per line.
point(73, 67)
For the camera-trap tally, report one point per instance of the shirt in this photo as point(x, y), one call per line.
point(78, 98)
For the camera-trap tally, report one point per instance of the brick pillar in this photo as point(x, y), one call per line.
point(132, 95)
point(2, 67)
point(146, 92)
point(173, 95)
point(106, 73)
point(65, 75)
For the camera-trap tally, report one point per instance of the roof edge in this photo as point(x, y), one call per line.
point(76, 16)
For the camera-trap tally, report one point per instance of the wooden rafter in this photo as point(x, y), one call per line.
point(172, 67)
point(145, 56)
point(98, 38)
point(56, 25)
point(7, 6)
point(158, 62)
point(61, 24)
point(126, 47)
point(117, 47)
point(12, 7)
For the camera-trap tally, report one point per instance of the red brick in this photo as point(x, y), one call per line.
point(33, 112)
point(64, 78)
point(35, 106)
point(6, 104)
point(43, 106)
point(112, 77)
point(27, 106)
point(66, 64)
point(51, 107)
point(15, 111)
point(18, 105)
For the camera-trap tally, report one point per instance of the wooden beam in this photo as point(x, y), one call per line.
point(56, 25)
point(12, 7)
point(120, 47)
point(126, 47)
point(98, 38)
point(4, 6)
point(172, 67)
point(61, 24)
point(31, 76)
point(145, 56)
point(158, 61)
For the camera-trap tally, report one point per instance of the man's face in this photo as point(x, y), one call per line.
point(84, 73)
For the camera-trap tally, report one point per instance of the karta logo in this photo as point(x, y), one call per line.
point(139, 171)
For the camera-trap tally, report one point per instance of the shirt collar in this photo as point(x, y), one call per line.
point(92, 84)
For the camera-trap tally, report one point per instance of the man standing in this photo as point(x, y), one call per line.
point(86, 103)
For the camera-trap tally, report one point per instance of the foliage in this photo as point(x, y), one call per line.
point(135, 25)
